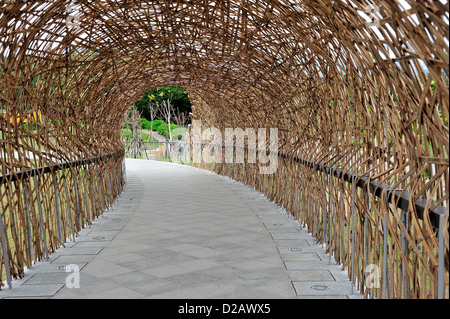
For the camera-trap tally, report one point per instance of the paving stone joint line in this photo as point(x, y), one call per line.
point(182, 232)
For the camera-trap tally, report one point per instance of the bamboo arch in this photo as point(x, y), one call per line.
point(361, 85)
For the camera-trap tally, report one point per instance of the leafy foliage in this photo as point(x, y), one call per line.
point(163, 129)
point(178, 96)
point(150, 125)
point(155, 124)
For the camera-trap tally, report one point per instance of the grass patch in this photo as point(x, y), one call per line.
point(128, 135)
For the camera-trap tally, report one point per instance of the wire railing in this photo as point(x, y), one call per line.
point(43, 207)
point(392, 245)
point(156, 150)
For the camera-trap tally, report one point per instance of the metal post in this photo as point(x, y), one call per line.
point(441, 261)
point(278, 191)
point(103, 192)
point(58, 211)
point(114, 184)
point(315, 208)
point(366, 230)
point(285, 189)
point(385, 274)
point(74, 177)
point(302, 200)
point(331, 214)
point(110, 190)
point(324, 213)
point(85, 199)
point(5, 252)
point(245, 174)
point(341, 212)
point(265, 184)
point(41, 217)
point(240, 166)
point(68, 206)
point(124, 171)
point(101, 195)
point(353, 230)
point(385, 238)
point(404, 220)
point(270, 186)
point(295, 209)
point(366, 224)
point(92, 196)
point(27, 210)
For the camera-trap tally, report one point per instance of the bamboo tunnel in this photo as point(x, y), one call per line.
point(351, 86)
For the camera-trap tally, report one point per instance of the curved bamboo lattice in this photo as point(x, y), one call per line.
point(358, 85)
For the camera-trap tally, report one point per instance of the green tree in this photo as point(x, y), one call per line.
point(178, 97)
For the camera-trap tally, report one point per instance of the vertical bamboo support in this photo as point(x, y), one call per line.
point(110, 190)
point(29, 232)
point(330, 251)
point(366, 229)
point(86, 205)
point(69, 213)
point(91, 183)
point(353, 248)
point(58, 210)
point(100, 193)
point(385, 247)
point(302, 200)
point(77, 200)
point(3, 241)
point(342, 223)
point(315, 209)
point(324, 210)
point(441, 260)
point(41, 217)
point(404, 243)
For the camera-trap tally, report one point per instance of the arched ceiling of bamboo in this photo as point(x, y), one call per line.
point(334, 76)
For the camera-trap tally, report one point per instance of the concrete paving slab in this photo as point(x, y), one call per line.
point(323, 288)
point(47, 278)
point(71, 259)
point(194, 234)
point(166, 271)
point(32, 291)
point(311, 275)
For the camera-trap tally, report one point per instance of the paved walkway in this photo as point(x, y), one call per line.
point(156, 135)
point(183, 232)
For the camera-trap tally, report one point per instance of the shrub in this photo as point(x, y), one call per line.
point(128, 134)
point(156, 124)
point(164, 130)
point(161, 129)
point(145, 124)
point(148, 125)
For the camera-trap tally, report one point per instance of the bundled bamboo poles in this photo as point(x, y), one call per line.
point(357, 86)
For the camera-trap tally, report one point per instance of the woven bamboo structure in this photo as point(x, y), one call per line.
point(352, 86)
